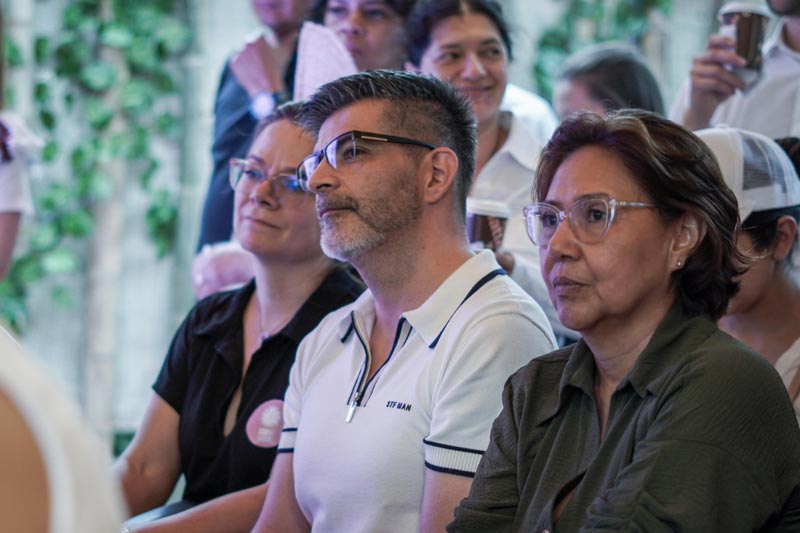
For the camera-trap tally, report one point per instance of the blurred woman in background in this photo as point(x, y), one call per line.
point(605, 77)
point(765, 313)
point(467, 43)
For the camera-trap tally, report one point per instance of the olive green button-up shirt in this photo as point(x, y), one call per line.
point(701, 437)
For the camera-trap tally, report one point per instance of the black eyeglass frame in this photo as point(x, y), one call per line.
point(310, 164)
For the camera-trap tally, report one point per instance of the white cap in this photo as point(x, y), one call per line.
point(755, 167)
point(490, 208)
point(743, 7)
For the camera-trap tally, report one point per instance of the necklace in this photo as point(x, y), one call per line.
point(270, 330)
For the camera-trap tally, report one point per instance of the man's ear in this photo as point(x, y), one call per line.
point(784, 238)
point(689, 231)
point(442, 168)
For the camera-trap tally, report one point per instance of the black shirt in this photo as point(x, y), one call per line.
point(203, 369)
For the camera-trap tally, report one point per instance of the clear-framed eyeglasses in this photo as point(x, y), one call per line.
point(250, 172)
point(589, 218)
point(349, 148)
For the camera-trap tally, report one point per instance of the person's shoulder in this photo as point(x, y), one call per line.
point(722, 358)
point(547, 368)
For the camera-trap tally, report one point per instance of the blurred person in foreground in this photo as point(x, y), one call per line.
point(391, 398)
point(467, 43)
point(55, 471)
point(604, 77)
point(216, 415)
point(715, 94)
point(655, 420)
point(765, 313)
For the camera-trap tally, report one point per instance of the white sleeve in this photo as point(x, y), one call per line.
point(467, 393)
point(680, 104)
point(292, 400)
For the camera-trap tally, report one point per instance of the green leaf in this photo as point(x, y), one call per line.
point(95, 186)
point(142, 55)
point(163, 81)
point(78, 224)
point(116, 36)
point(173, 36)
point(56, 197)
point(139, 143)
point(41, 93)
point(41, 49)
point(29, 270)
point(11, 51)
point(162, 217)
point(70, 56)
point(14, 312)
point(60, 261)
point(83, 158)
point(45, 236)
point(98, 76)
point(72, 17)
point(146, 177)
point(166, 124)
point(136, 97)
point(47, 119)
point(98, 114)
point(49, 152)
point(63, 297)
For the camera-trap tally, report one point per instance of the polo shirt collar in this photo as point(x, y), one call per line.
point(520, 145)
point(776, 42)
point(430, 318)
point(222, 320)
point(678, 334)
point(226, 323)
point(313, 310)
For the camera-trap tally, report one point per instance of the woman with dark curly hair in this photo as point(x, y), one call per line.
point(655, 420)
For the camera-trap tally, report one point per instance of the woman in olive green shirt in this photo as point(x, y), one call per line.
point(655, 420)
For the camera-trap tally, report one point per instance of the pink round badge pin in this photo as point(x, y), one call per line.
point(265, 424)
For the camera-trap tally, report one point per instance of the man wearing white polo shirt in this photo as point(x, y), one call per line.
point(391, 399)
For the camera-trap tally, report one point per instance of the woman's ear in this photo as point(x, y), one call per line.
point(785, 236)
point(689, 231)
point(441, 174)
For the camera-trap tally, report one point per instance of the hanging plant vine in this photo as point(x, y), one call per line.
point(74, 83)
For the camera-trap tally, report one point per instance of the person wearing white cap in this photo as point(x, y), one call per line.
point(765, 313)
point(715, 94)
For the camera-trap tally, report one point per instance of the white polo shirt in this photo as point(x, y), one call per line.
point(431, 405)
point(772, 106)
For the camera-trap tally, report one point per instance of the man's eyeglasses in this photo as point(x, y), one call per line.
point(285, 185)
point(589, 218)
point(348, 148)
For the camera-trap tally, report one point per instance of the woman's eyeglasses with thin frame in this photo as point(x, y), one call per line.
point(589, 218)
point(286, 185)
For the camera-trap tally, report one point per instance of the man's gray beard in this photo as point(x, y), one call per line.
point(347, 251)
